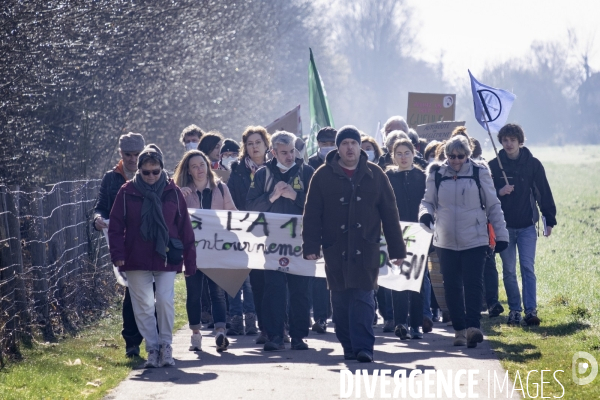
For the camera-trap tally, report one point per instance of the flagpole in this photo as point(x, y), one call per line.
point(494, 145)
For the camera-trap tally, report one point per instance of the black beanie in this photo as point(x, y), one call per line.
point(151, 151)
point(347, 132)
point(230, 145)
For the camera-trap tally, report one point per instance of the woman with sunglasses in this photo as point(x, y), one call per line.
point(150, 237)
point(461, 196)
point(203, 189)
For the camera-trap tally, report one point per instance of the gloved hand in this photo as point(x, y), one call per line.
point(426, 221)
point(500, 246)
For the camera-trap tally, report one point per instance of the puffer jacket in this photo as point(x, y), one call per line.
point(460, 222)
point(345, 216)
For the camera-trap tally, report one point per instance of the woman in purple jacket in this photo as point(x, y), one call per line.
point(150, 236)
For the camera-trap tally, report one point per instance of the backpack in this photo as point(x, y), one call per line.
point(439, 179)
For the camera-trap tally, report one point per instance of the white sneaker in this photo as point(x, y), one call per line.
point(152, 361)
point(166, 356)
point(196, 342)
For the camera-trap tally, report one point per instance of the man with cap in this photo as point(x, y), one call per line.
point(326, 143)
point(130, 146)
point(348, 202)
point(229, 154)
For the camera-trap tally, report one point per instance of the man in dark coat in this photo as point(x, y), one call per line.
point(130, 146)
point(280, 187)
point(348, 201)
point(326, 143)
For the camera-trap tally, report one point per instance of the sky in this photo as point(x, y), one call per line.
point(475, 33)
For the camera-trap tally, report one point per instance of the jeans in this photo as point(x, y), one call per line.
point(144, 305)
point(525, 240)
point(321, 298)
point(130, 331)
point(490, 279)
point(237, 306)
point(277, 284)
point(426, 295)
point(353, 314)
point(385, 303)
point(193, 303)
point(463, 284)
point(257, 281)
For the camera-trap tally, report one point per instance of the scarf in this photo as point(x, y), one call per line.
point(153, 222)
point(252, 166)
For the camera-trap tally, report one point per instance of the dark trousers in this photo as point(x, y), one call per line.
point(193, 304)
point(257, 281)
point(385, 303)
point(353, 314)
point(274, 304)
point(408, 301)
point(321, 298)
point(490, 279)
point(463, 283)
point(130, 331)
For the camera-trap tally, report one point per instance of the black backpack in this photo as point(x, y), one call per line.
point(439, 179)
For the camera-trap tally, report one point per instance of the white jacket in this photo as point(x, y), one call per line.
point(460, 222)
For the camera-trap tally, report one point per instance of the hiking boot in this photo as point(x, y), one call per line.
point(415, 333)
point(196, 340)
point(262, 338)
point(319, 326)
point(237, 326)
point(402, 332)
point(299, 344)
point(531, 319)
point(133, 351)
point(427, 324)
point(514, 318)
point(275, 344)
point(165, 358)
point(251, 328)
point(495, 310)
point(364, 356)
point(388, 326)
point(152, 361)
point(221, 341)
point(460, 337)
point(474, 336)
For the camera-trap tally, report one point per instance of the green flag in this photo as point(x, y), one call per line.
point(320, 115)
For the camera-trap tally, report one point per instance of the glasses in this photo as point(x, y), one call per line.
point(154, 172)
point(454, 156)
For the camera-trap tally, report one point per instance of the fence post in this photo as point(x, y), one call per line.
point(7, 320)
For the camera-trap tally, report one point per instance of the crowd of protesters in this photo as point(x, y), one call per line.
point(348, 193)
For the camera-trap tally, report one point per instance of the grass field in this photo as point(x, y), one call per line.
point(568, 273)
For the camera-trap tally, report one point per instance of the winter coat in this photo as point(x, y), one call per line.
point(528, 176)
point(219, 201)
point(315, 161)
point(385, 160)
point(460, 222)
point(111, 183)
point(409, 189)
point(344, 217)
point(239, 183)
point(258, 198)
point(125, 237)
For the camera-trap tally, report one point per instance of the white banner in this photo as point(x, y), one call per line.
point(253, 240)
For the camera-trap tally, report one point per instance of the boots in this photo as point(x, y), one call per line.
point(237, 326)
point(460, 337)
point(251, 324)
point(474, 336)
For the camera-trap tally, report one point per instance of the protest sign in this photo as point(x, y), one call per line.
point(437, 130)
point(289, 122)
point(424, 108)
point(235, 240)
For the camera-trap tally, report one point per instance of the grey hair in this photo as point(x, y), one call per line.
point(391, 138)
point(458, 143)
point(413, 136)
point(395, 120)
point(282, 137)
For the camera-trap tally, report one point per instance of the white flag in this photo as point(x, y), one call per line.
point(491, 105)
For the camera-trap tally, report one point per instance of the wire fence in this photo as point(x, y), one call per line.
point(55, 270)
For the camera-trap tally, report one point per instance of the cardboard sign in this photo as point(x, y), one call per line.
point(438, 130)
point(290, 122)
point(425, 108)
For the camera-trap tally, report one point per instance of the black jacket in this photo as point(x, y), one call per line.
point(385, 160)
point(315, 161)
point(409, 188)
point(258, 199)
point(111, 183)
point(239, 183)
point(527, 174)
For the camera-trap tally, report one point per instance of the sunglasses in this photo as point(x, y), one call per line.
point(154, 172)
point(454, 156)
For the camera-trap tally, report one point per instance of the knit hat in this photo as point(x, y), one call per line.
point(132, 142)
point(230, 145)
point(347, 132)
point(151, 151)
point(326, 134)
